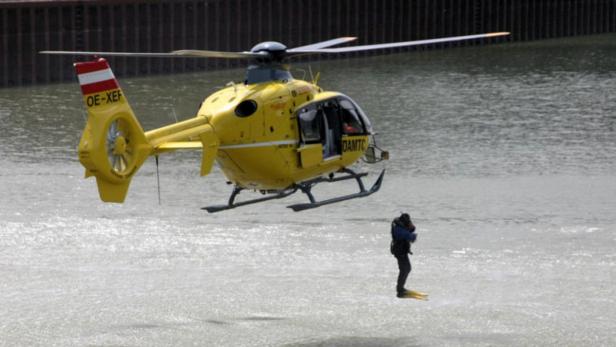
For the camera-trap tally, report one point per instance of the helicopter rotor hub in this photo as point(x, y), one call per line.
point(276, 51)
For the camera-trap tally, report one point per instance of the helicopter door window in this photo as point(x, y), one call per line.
point(309, 120)
point(351, 122)
point(331, 143)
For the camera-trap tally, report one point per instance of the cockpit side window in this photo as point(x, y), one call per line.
point(310, 125)
point(351, 121)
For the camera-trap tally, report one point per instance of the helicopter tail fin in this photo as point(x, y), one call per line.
point(113, 145)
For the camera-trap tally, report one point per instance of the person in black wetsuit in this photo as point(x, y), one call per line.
point(402, 234)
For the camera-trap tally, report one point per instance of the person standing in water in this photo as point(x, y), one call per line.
point(402, 235)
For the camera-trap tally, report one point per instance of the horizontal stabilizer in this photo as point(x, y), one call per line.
point(180, 145)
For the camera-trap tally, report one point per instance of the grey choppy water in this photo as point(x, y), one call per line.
point(505, 156)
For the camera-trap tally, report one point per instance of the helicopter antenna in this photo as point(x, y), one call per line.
point(175, 116)
point(232, 84)
point(316, 78)
point(157, 178)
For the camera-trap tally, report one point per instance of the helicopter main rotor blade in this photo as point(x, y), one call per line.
point(197, 53)
point(315, 48)
point(322, 44)
point(113, 54)
point(396, 44)
point(174, 54)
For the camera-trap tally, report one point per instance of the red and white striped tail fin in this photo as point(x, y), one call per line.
point(95, 76)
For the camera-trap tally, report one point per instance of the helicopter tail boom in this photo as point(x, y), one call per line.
point(195, 133)
point(113, 145)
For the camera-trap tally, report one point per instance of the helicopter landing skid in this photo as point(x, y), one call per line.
point(306, 188)
point(237, 190)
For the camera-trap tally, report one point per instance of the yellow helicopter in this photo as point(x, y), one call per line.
point(272, 133)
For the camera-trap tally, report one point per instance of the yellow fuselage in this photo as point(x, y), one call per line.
point(264, 151)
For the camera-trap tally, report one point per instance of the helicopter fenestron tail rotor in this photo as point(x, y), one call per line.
point(119, 148)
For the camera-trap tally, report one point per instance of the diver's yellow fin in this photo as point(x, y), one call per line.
point(412, 294)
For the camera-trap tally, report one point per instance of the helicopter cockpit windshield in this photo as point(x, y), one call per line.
point(354, 119)
point(267, 72)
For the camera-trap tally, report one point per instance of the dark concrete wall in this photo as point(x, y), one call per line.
point(236, 25)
